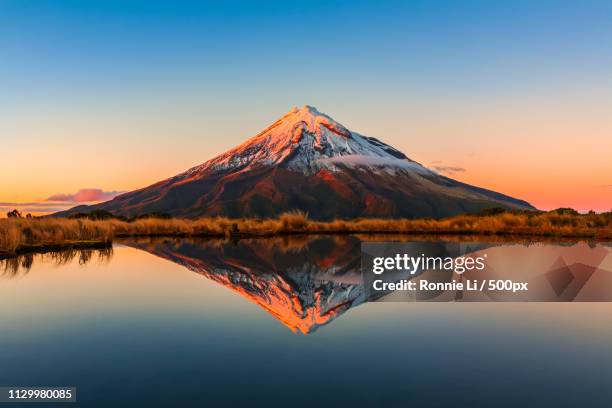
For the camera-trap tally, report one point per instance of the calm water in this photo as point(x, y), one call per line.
point(283, 323)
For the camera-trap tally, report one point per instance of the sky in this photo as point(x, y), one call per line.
point(101, 97)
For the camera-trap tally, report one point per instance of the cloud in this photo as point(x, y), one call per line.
point(606, 186)
point(33, 203)
point(85, 195)
point(40, 208)
point(448, 169)
point(59, 202)
point(357, 160)
point(31, 209)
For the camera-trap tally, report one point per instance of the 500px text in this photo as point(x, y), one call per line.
point(469, 285)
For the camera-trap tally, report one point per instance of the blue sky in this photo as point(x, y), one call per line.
point(56, 48)
point(91, 82)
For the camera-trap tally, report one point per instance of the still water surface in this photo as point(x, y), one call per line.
point(283, 323)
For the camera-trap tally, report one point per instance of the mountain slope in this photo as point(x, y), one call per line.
point(307, 161)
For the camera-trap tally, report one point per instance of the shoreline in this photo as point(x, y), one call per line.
point(39, 235)
point(372, 235)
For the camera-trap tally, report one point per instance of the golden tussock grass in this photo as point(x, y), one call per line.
point(20, 235)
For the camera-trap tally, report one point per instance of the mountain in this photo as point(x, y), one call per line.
point(307, 161)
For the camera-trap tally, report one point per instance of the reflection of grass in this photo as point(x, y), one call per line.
point(21, 235)
point(21, 264)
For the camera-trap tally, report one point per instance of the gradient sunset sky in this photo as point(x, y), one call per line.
point(99, 97)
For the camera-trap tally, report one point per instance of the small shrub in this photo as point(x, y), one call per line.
point(14, 214)
point(492, 211)
point(564, 211)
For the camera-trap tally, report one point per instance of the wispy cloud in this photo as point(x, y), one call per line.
point(448, 169)
point(59, 202)
point(43, 204)
point(85, 195)
point(34, 209)
point(606, 186)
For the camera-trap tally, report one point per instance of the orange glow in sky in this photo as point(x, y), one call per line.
point(551, 159)
point(514, 98)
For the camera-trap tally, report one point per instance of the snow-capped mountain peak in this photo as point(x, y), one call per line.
point(307, 140)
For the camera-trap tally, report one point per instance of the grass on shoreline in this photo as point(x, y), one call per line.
point(19, 235)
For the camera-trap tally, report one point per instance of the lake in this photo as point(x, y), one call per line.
point(285, 322)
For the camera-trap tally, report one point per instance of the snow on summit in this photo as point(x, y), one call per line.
point(306, 140)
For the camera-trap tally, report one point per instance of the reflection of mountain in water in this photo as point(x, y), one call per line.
point(307, 282)
point(304, 283)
